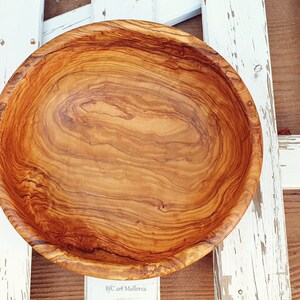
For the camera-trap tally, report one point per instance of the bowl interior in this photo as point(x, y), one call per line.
point(122, 147)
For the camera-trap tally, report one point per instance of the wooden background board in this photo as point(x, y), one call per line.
point(292, 211)
point(284, 37)
point(284, 31)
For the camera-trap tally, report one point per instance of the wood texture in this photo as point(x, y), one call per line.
point(192, 26)
point(76, 126)
point(292, 210)
point(54, 8)
point(284, 33)
point(15, 46)
point(50, 281)
point(195, 281)
point(192, 283)
point(252, 263)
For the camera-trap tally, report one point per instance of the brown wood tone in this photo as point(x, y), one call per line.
point(128, 150)
point(195, 281)
point(192, 283)
point(292, 211)
point(192, 26)
point(284, 32)
point(54, 8)
point(49, 281)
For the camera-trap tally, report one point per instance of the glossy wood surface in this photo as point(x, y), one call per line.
point(128, 150)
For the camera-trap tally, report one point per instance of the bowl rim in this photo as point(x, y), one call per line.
point(192, 253)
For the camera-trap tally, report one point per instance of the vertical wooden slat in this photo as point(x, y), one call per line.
point(252, 263)
point(20, 34)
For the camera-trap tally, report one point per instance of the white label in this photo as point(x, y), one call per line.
point(98, 289)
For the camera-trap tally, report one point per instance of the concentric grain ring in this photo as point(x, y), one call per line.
point(128, 149)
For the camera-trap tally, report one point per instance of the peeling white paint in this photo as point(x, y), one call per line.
point(255, 255)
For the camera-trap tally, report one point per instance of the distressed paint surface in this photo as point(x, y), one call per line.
point(252, 263)
point(289, 158)
point(20, 35)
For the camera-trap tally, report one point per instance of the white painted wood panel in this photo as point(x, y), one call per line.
point(172, 12)
point(104, 10)
point(67, 21)
point(252, 263)
point(289, 158)
point(20, 34)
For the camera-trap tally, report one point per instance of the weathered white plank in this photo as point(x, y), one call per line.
point(67, 21)
point(289, 158)
point(148, 289)
point(162, 11)
point(170, 12)
point(20, 34)
point(252, 263)
point(104, 10)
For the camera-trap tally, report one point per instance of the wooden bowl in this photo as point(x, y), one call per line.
point(128, 150)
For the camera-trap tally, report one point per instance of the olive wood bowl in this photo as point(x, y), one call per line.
point(128, 149)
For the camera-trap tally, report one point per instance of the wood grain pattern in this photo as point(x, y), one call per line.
point(292, 211)
point(192, 283)
point(284, 31)
point(192, 26)
point(128, 150)
point(49, 281)
point(16, 45)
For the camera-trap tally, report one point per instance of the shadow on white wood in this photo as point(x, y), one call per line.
point(252, 263)
point(170, 12)
point(67, 21)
